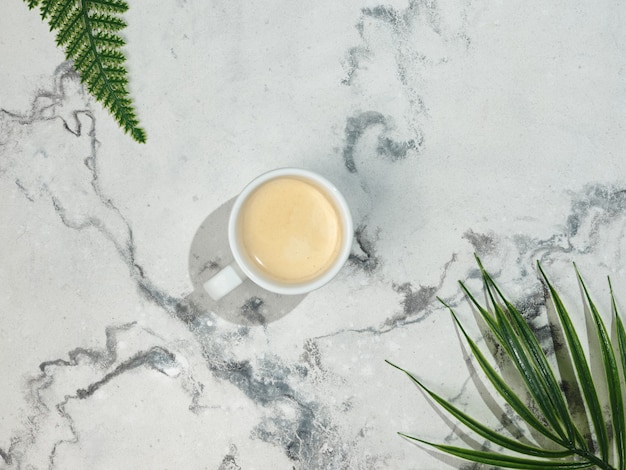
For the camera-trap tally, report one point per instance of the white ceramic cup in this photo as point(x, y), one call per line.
point(243, 267)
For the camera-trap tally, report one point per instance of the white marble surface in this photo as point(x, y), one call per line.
point(453, 128)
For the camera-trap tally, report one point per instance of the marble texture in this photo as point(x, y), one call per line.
point(453, 128)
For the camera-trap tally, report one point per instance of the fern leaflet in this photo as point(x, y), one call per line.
point(88, 30)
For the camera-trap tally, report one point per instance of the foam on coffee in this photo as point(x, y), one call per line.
point(290, 229)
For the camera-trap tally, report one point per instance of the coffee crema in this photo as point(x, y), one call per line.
point(290, 229)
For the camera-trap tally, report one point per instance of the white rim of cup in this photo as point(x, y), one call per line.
point(346, 220)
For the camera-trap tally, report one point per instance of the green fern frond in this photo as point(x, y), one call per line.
point(565, 446)
point(89, 30)
point(106, 21)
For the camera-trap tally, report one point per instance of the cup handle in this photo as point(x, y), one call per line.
point(224, 281)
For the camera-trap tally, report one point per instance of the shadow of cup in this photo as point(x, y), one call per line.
point(248, 304)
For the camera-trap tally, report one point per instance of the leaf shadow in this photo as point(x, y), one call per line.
point(565, 367)
point(456, 430)
point(507, 370)
point(447, 459)
point(506, 418)
point(596, 363)
point(615, 341)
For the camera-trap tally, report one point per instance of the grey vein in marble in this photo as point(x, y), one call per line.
point(386, 147)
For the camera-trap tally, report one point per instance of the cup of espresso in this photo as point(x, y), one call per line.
point(290, 232)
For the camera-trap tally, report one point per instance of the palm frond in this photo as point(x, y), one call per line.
point(501, 460)
point(483, 430)
point(585, 379)
point(617, 404)
point(562, 444)
point(89, 31)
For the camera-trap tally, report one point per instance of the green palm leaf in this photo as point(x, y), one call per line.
point(89, 30)
point(565, 445)
point(483, 430)
point(611, 374)
point(581, 365)
point(502, 460)
point(548, 396)
point(505, 391)
point(542, 391)
point(615, 388)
